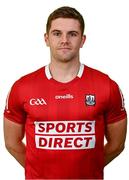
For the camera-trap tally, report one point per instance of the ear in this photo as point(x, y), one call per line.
point(46, 39)
point(83, 41)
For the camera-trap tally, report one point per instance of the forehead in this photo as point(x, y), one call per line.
point(65, 24)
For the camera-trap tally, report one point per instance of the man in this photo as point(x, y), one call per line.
point(65, 109)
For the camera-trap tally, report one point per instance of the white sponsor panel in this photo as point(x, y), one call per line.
point(61, 135)
point(65, 142)
point(65, 127)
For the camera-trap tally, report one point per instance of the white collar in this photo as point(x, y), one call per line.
point(49, 76)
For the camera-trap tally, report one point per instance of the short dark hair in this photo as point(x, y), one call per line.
point(65, 12)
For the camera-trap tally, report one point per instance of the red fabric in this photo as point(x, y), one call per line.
point(65, 122)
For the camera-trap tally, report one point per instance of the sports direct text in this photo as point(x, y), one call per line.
point(61, 135)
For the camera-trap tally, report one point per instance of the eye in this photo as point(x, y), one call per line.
point(73, 34)
point(56, 33)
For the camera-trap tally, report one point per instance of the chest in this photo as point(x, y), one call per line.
point(65, 118)
point(64, 103)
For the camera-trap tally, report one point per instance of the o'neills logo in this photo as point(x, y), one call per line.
point(61, 135)
point(66, 96)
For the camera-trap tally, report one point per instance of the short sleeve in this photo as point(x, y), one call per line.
point(14, 109)
point(115, 110)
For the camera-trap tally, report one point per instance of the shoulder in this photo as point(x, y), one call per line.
point(29, 80)
point(99, 80)
point(94, 73)
point(31, 77)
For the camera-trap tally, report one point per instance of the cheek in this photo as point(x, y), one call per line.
point(77, 45)
point(53, 42)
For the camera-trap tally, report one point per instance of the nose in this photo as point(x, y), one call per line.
point(64, 38)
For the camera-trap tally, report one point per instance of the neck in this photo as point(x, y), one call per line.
point(64, 72)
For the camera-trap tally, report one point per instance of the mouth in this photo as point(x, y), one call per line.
point(64, 48)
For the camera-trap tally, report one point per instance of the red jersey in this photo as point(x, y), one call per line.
point(65, 122)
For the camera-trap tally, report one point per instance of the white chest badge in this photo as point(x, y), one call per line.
point(90, 100)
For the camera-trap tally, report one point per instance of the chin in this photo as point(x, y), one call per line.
point(64, 60)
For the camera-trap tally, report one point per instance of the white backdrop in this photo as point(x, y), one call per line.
point(22, 50)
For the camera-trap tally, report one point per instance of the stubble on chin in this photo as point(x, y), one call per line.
point(64, 59)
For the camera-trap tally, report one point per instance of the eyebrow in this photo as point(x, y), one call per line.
point(57, 30)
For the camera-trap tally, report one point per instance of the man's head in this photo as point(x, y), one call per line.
point(64, 34)
point(65, 12)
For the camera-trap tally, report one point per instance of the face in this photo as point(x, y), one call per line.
point(64, 39)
